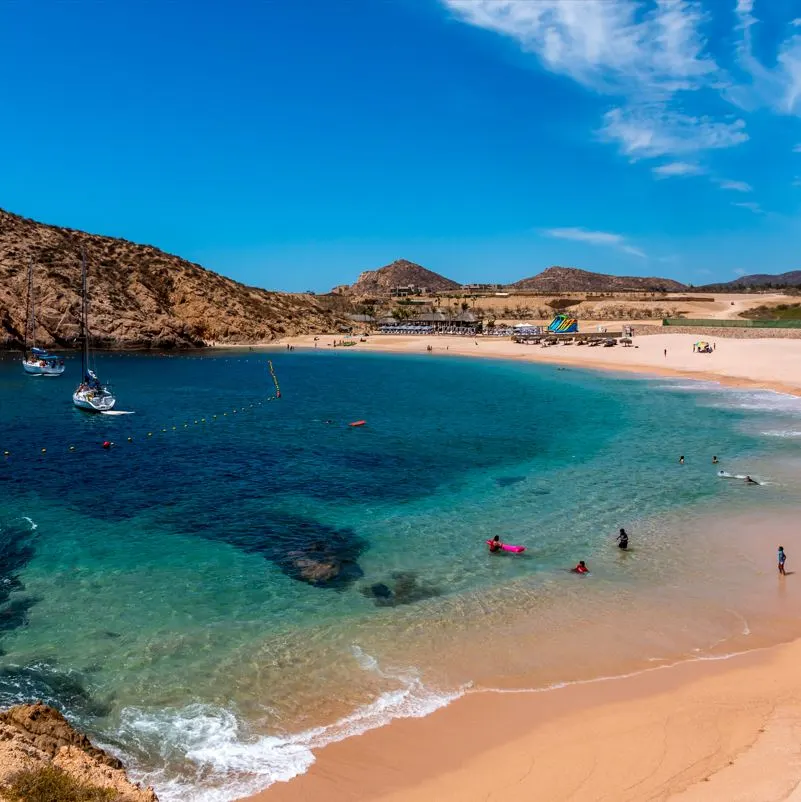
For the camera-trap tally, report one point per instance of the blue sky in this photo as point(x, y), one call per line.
point(291, 144)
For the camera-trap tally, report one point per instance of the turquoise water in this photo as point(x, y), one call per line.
point(159, 591)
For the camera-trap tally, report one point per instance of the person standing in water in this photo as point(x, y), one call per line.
point(681, 460)
point(782, 558)
point(581, 568)
point(714, 460)
point(623, 539)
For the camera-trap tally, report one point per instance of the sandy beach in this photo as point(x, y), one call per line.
point(772, 363)
point(699, 731)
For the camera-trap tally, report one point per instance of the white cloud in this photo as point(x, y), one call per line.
point(646, 54)
point(595, 238)
point(609, 46)
point(735, 186)
point(797, 149)
point(779, 86)
point(676, 169)
point(653, 130)
point(752, 207)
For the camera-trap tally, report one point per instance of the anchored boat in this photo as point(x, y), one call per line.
point(91, 394)
point(37, 361)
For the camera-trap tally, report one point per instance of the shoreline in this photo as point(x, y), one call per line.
point(700, 730)
point(771, 356)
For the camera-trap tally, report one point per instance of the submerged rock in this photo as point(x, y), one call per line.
point(35, 736)
point(403, 588)
point(506, 481)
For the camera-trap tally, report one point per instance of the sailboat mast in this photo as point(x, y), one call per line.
point(84, 319)
point(29, 312)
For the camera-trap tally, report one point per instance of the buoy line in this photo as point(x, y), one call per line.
point(108, 444)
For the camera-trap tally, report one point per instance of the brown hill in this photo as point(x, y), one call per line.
point(140, 296)
point(760, 281)
point(571, 279)
point(401, 273)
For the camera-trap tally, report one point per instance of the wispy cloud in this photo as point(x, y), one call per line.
point(752, 207)
point(734, 186)
point(647, 55)
point(777, 87)
point(605, 238)
point(797, 149)
point(676, 169)
point(648, 131)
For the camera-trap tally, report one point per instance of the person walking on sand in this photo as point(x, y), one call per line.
point(665, 353)
point(782, 559)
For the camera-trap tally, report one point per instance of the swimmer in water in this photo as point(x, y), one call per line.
point(623, 539)
point(681, 460)
point(782, 558)
point(581, 568)
point(714, 460)
point(495, 544)
point(750, 481)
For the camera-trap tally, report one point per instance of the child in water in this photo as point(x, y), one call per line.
point(581, 568)
point(782, 558)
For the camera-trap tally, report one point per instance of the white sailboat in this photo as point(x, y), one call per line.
point(37, 361)
point(90, 394)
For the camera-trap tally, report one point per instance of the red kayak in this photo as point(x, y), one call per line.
point(509, 547)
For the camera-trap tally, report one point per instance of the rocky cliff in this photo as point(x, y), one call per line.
point(401, 273)
point(571, 279)
point(140, 296)
point(38, 748)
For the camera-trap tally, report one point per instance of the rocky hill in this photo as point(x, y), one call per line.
point(140, 296)
point(401, 273)
point(40, 750)
point(758, 280)
point(571, 279)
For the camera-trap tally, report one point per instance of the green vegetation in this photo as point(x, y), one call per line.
point(779, 312)
point(51, 784)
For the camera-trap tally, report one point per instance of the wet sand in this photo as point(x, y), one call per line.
point(701, 731)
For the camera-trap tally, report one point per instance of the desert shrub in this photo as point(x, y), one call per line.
point(51, 784)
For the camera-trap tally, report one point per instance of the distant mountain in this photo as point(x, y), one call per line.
point(790, 279)
point(140, 296)
point(401, 273)
point(571, 279)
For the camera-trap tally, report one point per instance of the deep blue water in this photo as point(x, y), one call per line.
point(160, 590)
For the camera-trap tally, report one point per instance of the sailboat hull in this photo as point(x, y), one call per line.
point(93, 401)
point(36, 368)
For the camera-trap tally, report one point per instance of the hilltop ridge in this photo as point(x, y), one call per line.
point(140, 295)
point(400, 273)
point(572, 279)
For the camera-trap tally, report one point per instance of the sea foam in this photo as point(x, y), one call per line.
point(209, 755)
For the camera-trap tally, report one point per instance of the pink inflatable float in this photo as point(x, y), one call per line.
point(509, 547)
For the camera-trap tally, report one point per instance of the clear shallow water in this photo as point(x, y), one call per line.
point(158, 598)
